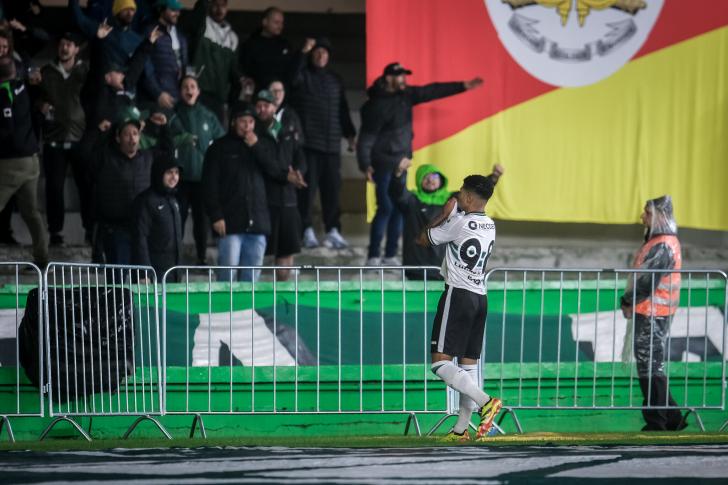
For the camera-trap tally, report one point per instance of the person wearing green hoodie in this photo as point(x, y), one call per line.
point(195, 128)
point(419, 207)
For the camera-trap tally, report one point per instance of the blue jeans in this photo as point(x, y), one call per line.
point(240, 250)
point(388, 216)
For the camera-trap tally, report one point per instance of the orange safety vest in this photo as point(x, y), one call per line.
point(666, 297)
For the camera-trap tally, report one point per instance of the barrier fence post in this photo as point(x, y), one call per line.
point(23, 279)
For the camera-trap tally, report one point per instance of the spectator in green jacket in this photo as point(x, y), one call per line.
point(196, 128)
point(214, 46)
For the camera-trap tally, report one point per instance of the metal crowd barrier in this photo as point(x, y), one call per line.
point(102, 341)
point(344, 340)
point(312, 345)
point(573, 345)
point(25, 399)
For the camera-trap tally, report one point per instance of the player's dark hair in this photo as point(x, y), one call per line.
point(480, 185)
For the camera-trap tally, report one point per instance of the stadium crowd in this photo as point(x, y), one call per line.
point(158, 120)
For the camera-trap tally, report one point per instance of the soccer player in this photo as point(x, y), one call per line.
point(460, 319)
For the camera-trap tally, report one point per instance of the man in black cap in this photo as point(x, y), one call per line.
point(386, 138)
point(320, 100)
point(63, 127)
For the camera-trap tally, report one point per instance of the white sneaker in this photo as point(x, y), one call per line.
point(309, 239)
point(393, 261)
point(374, 262)
point(334, 240)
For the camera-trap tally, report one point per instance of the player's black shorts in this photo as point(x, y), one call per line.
point(285, 232)
point(459, 323)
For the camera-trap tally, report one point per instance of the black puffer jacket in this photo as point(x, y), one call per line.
point(386, 122)
point(234, 185)
point(157, 232)
point(288, 153)
point(117, 178)
point(320, 100)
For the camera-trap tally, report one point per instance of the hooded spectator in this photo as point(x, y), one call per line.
point(419, 207)
point(650, 302)
point(157, 232)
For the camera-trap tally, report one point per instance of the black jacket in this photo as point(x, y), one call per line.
point(233, 183)
point(386, 130)
point(265, 59)
point(157, 231)
point(118, 179)
point(64, 94)
point(288, 149)
point(320, 100)
point(17, 136)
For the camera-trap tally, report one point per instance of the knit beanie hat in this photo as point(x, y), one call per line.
point(120, 5)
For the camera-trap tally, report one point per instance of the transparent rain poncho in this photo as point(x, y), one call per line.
point(650, 331)
point(663, 220)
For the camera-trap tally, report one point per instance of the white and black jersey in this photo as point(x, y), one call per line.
point(470, 237)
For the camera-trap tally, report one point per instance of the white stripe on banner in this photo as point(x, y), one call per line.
point(8, 322)
point(704, 322)
point(246, 324)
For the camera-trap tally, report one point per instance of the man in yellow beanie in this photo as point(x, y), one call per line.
point(127, 6)
point(114, 38)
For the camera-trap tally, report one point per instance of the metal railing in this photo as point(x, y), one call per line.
point(24, 283)
point(345, 340)
point(315, 344)
point(561, 336)
point(102, 344)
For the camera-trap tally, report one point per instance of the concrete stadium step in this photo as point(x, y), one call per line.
point(519, 244)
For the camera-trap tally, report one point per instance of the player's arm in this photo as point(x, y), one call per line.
point(423, 239)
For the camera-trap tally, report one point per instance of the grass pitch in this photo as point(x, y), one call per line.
point(527, 439)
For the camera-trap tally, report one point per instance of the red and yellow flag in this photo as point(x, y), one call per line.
point(592, 106)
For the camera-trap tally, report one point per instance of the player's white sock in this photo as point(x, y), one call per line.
point(459, 380)
point(467, 405)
